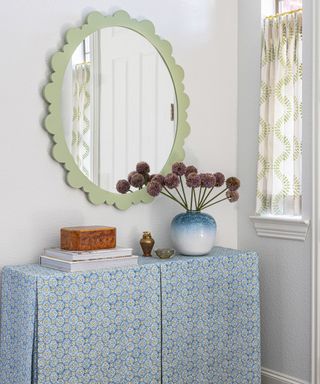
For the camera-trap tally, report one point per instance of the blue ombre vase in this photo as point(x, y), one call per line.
point(193, 233)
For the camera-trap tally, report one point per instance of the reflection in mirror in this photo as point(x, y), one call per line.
point(118, 106)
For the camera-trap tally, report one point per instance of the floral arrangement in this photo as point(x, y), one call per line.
point(184, 185)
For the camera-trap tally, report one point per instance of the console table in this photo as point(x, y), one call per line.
point(185, 320)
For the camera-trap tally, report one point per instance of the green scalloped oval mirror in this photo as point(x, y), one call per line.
point(116, 97)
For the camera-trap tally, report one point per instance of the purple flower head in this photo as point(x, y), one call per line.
point(179, 168)
point(219, 179)
point(159, 179)
point(130, 175)
point(123, 186)
point(142, 167)
point(193, 180)
point(137, 180)
point(154, 188)
point(146, 178)
point(171, 181)
point(208, 180)
point(232, 196)
point(190, 169)
point(233, 183)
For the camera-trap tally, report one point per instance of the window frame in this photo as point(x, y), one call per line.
point(277, 7)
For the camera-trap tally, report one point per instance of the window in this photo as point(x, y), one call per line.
point(280, 132)
point(279, 189)
point(287, 5)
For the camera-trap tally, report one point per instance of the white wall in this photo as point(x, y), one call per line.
point(285, 265)
point(35, 201)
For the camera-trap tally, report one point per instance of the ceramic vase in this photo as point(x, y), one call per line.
point(193, 233)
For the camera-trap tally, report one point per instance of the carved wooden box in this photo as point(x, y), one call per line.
point(87, 238)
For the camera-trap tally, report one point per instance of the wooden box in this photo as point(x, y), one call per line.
point(87, 238)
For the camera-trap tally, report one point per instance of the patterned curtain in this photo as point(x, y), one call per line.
point(81, 117)
point(280, 134)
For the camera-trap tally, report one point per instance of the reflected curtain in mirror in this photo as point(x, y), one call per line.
point(81, 133)
point(280, 134)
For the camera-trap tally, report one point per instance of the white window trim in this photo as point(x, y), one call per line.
point(315, 338)
point(281, 227)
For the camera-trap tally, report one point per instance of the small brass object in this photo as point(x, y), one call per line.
point(147, 243)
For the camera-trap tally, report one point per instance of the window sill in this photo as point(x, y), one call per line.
point(281, 227)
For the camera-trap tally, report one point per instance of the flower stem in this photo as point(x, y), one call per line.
point(202, 197)
point(173, 198)
point(206, 195)
point(216, 202)
point(184, 193)
point(182, 199)
point(191, 203)
point(195, 199)
point(213, 198)
point(199, 196)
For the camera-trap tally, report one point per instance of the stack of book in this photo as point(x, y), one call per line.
point(75, 261)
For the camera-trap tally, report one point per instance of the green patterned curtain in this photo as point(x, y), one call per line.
point(280, 134)
point(81, 117)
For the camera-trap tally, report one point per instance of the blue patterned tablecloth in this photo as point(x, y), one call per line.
point(211, 320)
point(187, 320)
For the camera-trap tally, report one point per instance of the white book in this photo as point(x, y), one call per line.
point(111, 253)
point(87, 265)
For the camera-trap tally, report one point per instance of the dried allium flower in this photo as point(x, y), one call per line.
point(232, 196)
point(142, 167)
point(130, 175)
point(159, 179)
point(190, 169)
point(208, 180)
point(219, 179)
point(193, 180)
point(171, 181)
point(123, 186)
point(152, 176)
point(179, 168)
point(233, 183)
point(154, 188)
point(137, 180)
point(146, 178)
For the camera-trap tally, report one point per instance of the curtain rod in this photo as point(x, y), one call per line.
point(283, 14)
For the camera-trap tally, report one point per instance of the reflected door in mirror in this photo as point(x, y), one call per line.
point(118, 106)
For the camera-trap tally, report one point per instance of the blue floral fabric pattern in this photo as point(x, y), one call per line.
point(211, 322)
point(18, 305)
point(101, 327)
point(178, 321)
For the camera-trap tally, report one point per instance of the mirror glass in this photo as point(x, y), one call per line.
point(118, 106)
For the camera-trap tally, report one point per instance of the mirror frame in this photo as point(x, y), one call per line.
point(52, 94)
